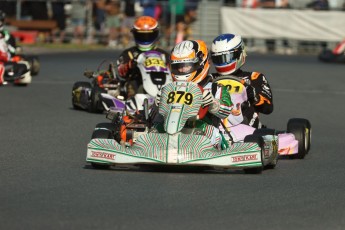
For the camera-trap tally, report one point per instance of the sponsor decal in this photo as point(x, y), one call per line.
point(151, 61)
point(103, 155)
point(251, 157)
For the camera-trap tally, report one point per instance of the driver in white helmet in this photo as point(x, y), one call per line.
point(228, 56)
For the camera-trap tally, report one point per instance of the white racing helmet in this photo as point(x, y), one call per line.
point(228, 53)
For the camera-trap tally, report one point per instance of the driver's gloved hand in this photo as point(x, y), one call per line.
point(251, 95)
point(207, 98)
point(123, 68)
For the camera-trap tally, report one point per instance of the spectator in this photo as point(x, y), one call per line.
point(318, 5)
point(9, 8)
point(177, 9)
point(100, 15)
point(190, 17)
point(127, 22)
point(113, 21)
point(231, 3)
point(274, 4)
point(78, 18)
point(58, 10)
point(149, 7)
point(250, 3)
point(38, 10)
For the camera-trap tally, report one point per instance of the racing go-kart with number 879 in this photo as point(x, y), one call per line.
point(180, 142)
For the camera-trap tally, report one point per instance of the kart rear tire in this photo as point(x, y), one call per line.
point(260, 141)
point(101, 134)
point(264, 131)
point(301, 129)
point(21, 84)
point(76, 85)
point(95, 102)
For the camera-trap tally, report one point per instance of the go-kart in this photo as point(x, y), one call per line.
point(180, 140)
point(327, 55)
point(86, 95)
point(15, 72)
point(293, 142)
point(154, 74)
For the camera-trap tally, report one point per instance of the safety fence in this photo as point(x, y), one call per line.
point(264, 30)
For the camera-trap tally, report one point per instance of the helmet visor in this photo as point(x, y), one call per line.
point(223, 58)
point(145, 37)
point(186, 67)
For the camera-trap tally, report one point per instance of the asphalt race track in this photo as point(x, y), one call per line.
point(45, 182)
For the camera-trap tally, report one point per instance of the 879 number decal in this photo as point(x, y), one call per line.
point(180, 97)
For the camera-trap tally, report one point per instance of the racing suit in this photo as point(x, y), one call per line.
point(260, 99)
point(128, 71)
point(5, 56)
point(219, 108)
point(10, 40)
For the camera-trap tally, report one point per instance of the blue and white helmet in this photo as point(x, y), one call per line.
point(228, 53)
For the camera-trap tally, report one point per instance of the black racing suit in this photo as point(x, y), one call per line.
point(264, 97)
point(133, 76)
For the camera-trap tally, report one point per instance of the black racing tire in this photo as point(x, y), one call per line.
point(95, 101)
point(21, 84)
point(101, 134)
point(76, 85)
point(301, 129)
point(264, 131)
point(259, 140)
point(35, 65)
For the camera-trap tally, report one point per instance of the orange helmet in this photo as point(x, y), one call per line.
point(145, 32)
point(190, 61)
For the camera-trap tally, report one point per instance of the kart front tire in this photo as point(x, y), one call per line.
point(301, 129)
point(95, 102)
point(76, 85)
point(101, 134)
point(260, 141)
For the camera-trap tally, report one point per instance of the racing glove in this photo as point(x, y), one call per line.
point(207, 98)
point(124, 67)
point(158, 98)
point(251, 95)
